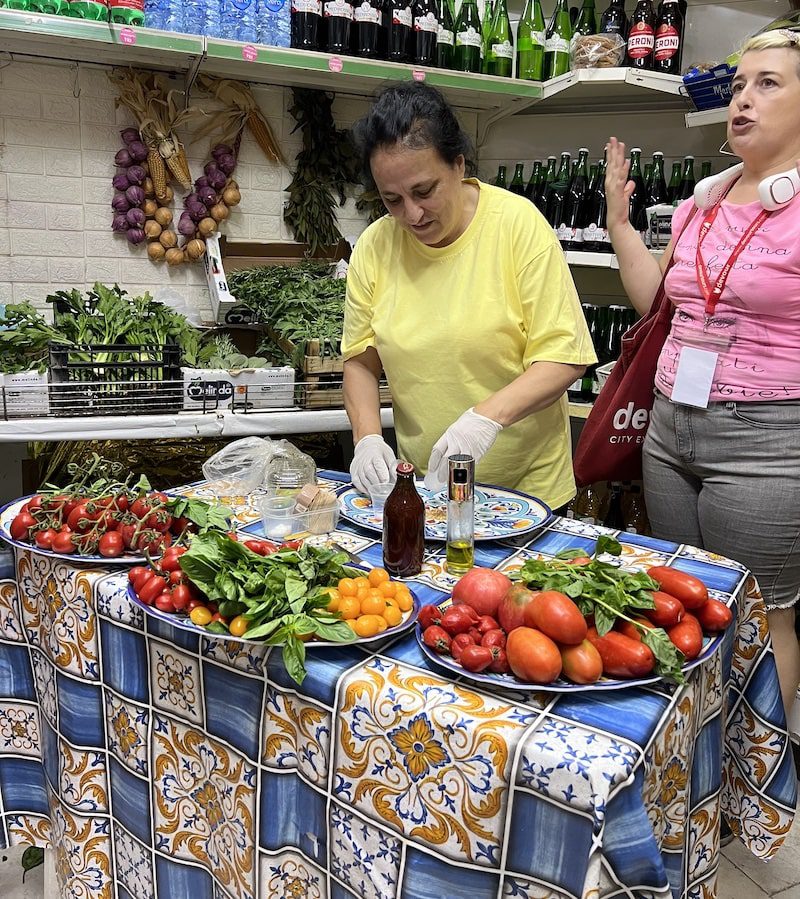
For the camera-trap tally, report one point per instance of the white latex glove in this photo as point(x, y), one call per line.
point(472, 434)
point(373, 463)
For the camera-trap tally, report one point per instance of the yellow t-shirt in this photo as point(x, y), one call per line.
point(455, 324)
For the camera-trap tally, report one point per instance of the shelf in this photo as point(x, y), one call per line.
point(716, 116)
point(586, 91)
point(579, 410)
point(62, 38)
point(598, 260)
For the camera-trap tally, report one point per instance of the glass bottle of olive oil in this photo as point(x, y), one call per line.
point(460, 513)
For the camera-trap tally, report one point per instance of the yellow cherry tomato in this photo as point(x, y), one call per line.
point(393, 616)
point(335, 598)
point(378, 576)
point(388, 588)
point(200, 615)
point(349, 607)
point(367, 625)
point(238, 626)
point(347, 587)
point(373, 605)
point(404, 601)
point(382, 625)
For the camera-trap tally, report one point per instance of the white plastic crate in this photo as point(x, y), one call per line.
point(24, 395)
point(603, 371)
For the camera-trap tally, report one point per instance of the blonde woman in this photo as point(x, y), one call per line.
point(722, 454)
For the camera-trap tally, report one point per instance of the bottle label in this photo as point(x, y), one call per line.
point(338, 8)
point(402, 16)
point(367, 13)
point(312, 6)
point(503, 51)
point(138, 5)
point(427, 22)
point(469, 38)
point(565, 232)
point(445, 37)
point(594, 234)
point(641, 40)
point(667, 42)
point(574, 387)
point(534, 39)
point(556, 44)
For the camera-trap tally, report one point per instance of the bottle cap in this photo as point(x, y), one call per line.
point(636, 149)
point(461, 477)
point(688, 157)
point(405, 468)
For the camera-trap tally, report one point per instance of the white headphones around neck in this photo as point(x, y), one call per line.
point(774, 192)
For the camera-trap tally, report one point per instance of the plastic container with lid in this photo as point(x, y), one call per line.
point(288, 470)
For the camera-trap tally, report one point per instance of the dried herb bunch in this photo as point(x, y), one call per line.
point(324, 167)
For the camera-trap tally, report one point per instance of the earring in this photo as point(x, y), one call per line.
point(724, 151)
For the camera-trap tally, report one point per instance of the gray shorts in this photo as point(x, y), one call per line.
point(727, 479)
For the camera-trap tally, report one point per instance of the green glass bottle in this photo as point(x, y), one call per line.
point(468, 38)
point(637, 201)
point(534, 181)
point(587, 19)
point(559, 35)
point(705, 169)
point(540, 197)
point(500, 179)
point(487, 22)
point(517, 185)
point(688, 180)
point(530, 42)
point(501, 50)
point(648, 175)
point(446, 38)
point(558, 190)
point(674, 186)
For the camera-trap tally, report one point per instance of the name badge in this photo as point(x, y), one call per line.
point(694, 377)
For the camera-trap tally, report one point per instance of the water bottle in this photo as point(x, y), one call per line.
point(155, 14)
point(274, 22)
point(212, 18)
point(173, 16)
point(239, 20)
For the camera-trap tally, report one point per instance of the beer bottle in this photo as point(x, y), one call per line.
point(400, 28)
point(657, 191)
point(587, 19)
point(705, 169)
point(557, 191)
point(556, 48)
point(533, 183)
point(674, 186)
point(426, 29)
point(668, 39)
point(468, 38)
point(517, 185)
point(367, 26)
point(614, 517)
point(641, 37)
point(500, 180)
point(648, 176)
point(590, 312)
point(501, 51)
point(687, 179)
point(306, 24)
point(446, 37)
point(530, 42)
point(487, 21)
point(636, 204)
point(600, 339)
point(570, 230)
point(338, 21)
point(595, 230)
point(404, 526)
point(614, 20)
point(541, 195)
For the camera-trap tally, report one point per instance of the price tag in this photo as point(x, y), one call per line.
point(335, 64)
point(417, 75)
point(249, 53)
point(127, 36)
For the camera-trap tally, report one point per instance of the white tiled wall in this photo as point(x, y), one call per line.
point(59, 131)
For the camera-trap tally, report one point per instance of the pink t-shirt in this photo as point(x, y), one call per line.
point(756, 325)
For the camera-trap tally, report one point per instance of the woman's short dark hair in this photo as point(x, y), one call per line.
point(417, 115)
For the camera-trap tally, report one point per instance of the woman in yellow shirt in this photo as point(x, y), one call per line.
point(463, 297)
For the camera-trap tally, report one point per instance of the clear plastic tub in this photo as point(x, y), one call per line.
point(281, 520)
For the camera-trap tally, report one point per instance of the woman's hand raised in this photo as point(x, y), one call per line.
point(618, 187)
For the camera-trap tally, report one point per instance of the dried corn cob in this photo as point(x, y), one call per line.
point(179, 170)
point(262, 133)
point(158, 173)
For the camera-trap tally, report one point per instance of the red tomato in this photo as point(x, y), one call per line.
point(687, 636)
point(180, 597)
point(436, 638)
point(496, 638)
point(64, 542)
point(691, 591)
point(130, 536)
point(557, 616)
point(482, 589)
point(79, 518)
point(533, 656)
point(459, 643)
point(153, 542)
point(579, 560)
point(475, 658)
point(110, 545)
point(622, 656)
point(151, 589)
point(44, 539)
point(122, 502)
point(170, 561)
point(290, 544)
point(142, 578)
point(160, 520)
point(629, 628)
point(193, 604)
point(164, 602)
point(456, 620)
point(581, 663)
point(499, 661)
point(34, 503)
point(140, 507)
point(21, 525)
point(668, 611)
point(486, 623)
point(511, 611)
point(714, 616)
point(176, 577)
point(429, 615)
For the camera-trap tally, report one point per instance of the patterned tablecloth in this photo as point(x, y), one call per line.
point(161, 764)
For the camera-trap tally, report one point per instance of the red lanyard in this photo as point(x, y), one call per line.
point(713, 292)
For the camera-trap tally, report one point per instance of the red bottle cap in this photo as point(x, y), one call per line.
point(405, 468)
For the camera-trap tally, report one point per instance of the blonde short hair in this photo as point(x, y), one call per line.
point(773, 40)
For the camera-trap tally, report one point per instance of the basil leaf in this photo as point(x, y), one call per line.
point(669, 658)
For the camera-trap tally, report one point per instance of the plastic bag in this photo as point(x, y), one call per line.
point(597, 51)
point(288, 470)
point(240, 467)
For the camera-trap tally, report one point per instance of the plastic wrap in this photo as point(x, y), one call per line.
point(597, 51)
point(240, 467)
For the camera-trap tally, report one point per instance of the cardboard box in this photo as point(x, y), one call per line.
point(209, 389)
point(24, 395)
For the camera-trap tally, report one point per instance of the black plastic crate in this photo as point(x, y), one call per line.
point(115, 379)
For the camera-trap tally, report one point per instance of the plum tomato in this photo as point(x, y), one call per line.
point(581, 663)
point(496, 637)
point(687, 636)
point(180, 597)
point(691, 591)
point(622, 656)
point(163, 602)
point(557, 616)
point(486, 623)
point(476, 658)
point(533, 656)
point(714, 616)
point(151, 589)
point(499, 661)
point(668, 611)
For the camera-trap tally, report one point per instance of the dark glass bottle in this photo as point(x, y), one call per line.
point(468, 38)
point(705, 169)
point(338, 21)
point(570, 226)
point(306, 24)
point(595, 230)
point(674, 186)
point(446, 37)
point(557, 191)
point(368, 26)
point(540, 197)
point(534, 181)
point(614, 20)
point(614, 517)
point(636, 203)
point(587, 19)
point(500, 178)
point(517, 185)
point(400, 28)
point(404, 526)
point(657, 189)
point(668, 39)
point(426, 30)
point(641, 37)
point(688, 180)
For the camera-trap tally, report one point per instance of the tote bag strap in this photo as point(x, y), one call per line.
point(661, 301)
